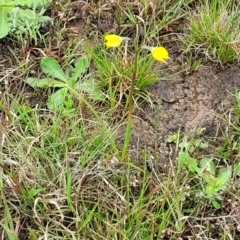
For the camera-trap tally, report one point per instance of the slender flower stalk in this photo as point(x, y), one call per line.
point(158, 53)
point(130, 109)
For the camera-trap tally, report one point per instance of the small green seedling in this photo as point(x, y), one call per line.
point(62, 98)
point(213, 181)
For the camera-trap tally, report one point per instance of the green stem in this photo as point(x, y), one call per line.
point(130, 110)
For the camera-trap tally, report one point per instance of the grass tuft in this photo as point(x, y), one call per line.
point(213, 31)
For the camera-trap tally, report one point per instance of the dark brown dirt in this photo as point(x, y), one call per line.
point(188, 103)
point(8, 63)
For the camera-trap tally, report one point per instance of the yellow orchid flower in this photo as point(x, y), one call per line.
point(158, 53)
point(113, 40)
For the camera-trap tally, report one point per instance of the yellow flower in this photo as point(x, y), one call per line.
point(113, 40)
point(160, 54)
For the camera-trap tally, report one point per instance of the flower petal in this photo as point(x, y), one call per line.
point(160, 53)
point(113, 40)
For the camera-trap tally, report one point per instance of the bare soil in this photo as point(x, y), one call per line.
point(197, 101)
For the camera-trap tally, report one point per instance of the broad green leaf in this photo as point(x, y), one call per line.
point(208, 165)
point(184, 145)
point(209, 178)
point(4, 25)
point(218, 183)
point(182, 158)
point(173, 138)
point(30, 3)
point(216, 204)
point(90, 88)
point(185, 159)
point(51, 67)
point(193, 166)
point(44, 82)
point(210, 190)
point(27, 14)
point(222, 179)
point(57, 99)
point(80, 67)
point(26, 3)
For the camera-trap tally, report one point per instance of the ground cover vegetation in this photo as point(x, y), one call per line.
point(74, 77)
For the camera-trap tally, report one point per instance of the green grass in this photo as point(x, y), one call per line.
point(114, 69)
point(62, 176)
point(146, 20)
point(44, 155)
point(213, 31)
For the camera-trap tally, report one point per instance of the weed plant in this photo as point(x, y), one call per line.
point(23, 19)
point(114, 74)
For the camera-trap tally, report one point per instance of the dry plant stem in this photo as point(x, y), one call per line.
point(130, 110)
